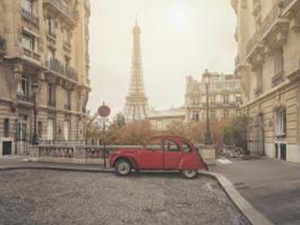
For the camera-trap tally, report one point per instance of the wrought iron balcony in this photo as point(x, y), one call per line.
point(271, 20)
point(52, 103)
point(278, 78)
point(25, 98)
point(68, 106)
point(28, 16)
point(59, 6)
point(31, 54)
point(58, 67)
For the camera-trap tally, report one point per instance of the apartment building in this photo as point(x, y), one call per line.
point(44, 71)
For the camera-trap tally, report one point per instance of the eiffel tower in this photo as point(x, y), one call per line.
point(136, 107)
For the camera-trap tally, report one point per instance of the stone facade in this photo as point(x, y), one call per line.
point(268, 62)
point(162, 119)
point(43, 44)
point(224, 97)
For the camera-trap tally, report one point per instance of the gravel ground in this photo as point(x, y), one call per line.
point(30, 197)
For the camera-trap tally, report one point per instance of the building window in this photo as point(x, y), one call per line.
point(66, 130)
point(212, 114)
point(50, 129)
point(226, 114)
point(6, 128)
point(51, 94)
point(40, 129)
point(281, 122)
point(25, 85)
point(195, 116)
point(226, 99)
point(68, 99)
point(279, 61)
point(50, 26)
point(28, 42)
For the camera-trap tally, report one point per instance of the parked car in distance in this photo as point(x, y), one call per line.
point(161, 153)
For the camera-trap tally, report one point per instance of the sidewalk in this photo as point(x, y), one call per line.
point(270, 185)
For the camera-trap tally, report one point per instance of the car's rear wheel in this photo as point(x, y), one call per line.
point(190, 173)
point(123, 167)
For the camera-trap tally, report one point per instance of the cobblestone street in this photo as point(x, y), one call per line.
point(56, 197)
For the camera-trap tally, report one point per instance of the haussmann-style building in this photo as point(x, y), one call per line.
point(224, 97)
point(43, 53)
point(268, 62)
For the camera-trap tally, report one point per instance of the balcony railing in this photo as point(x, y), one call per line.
point(25, 98)
point(32, 54)
point(265, 25)
point(58, 67)
point(27, 15)
point(52, 103)
point(67, 106)
point(278, 78)
point(65, 10)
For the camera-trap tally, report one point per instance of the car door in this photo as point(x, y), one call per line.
point(172, 154)
point(151, 156)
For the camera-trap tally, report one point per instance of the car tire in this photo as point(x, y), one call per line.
point(123, 167)
point(190, 173)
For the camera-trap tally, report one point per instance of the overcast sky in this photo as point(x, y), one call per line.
point(179, 38)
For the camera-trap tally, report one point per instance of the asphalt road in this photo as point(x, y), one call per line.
point(30, 197)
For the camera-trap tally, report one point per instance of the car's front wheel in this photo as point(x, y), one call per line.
point(123, 167)
point(190, 173)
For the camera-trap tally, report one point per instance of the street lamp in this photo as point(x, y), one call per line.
point(35, 139)
point(207, 137)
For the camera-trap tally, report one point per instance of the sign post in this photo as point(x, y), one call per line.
point(104, 112)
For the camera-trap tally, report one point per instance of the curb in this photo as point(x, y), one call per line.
point(253, 216)
point(56, 168)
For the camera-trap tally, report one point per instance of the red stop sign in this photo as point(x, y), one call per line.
point(104, 111)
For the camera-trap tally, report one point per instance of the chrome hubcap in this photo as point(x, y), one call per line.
point(124, 168)
point(190, 173)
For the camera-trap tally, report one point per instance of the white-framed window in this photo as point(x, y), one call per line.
point(281, 121)
point(28, 42)
point(25, 85)
point(66, 130)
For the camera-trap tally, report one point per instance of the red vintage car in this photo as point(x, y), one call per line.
point(161, 153)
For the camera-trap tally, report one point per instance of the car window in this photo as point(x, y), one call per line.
point(171, 146)
point(154, 144)
point(186, 147)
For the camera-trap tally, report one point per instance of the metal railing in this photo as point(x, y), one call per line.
point(265, 26)
point(58, 67)
point(27, 15)
point(26, 98)
point(67, 106)
point(65, 10)
point(278, 78)
point(52, 103)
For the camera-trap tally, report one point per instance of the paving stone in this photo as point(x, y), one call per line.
point(30, 197)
